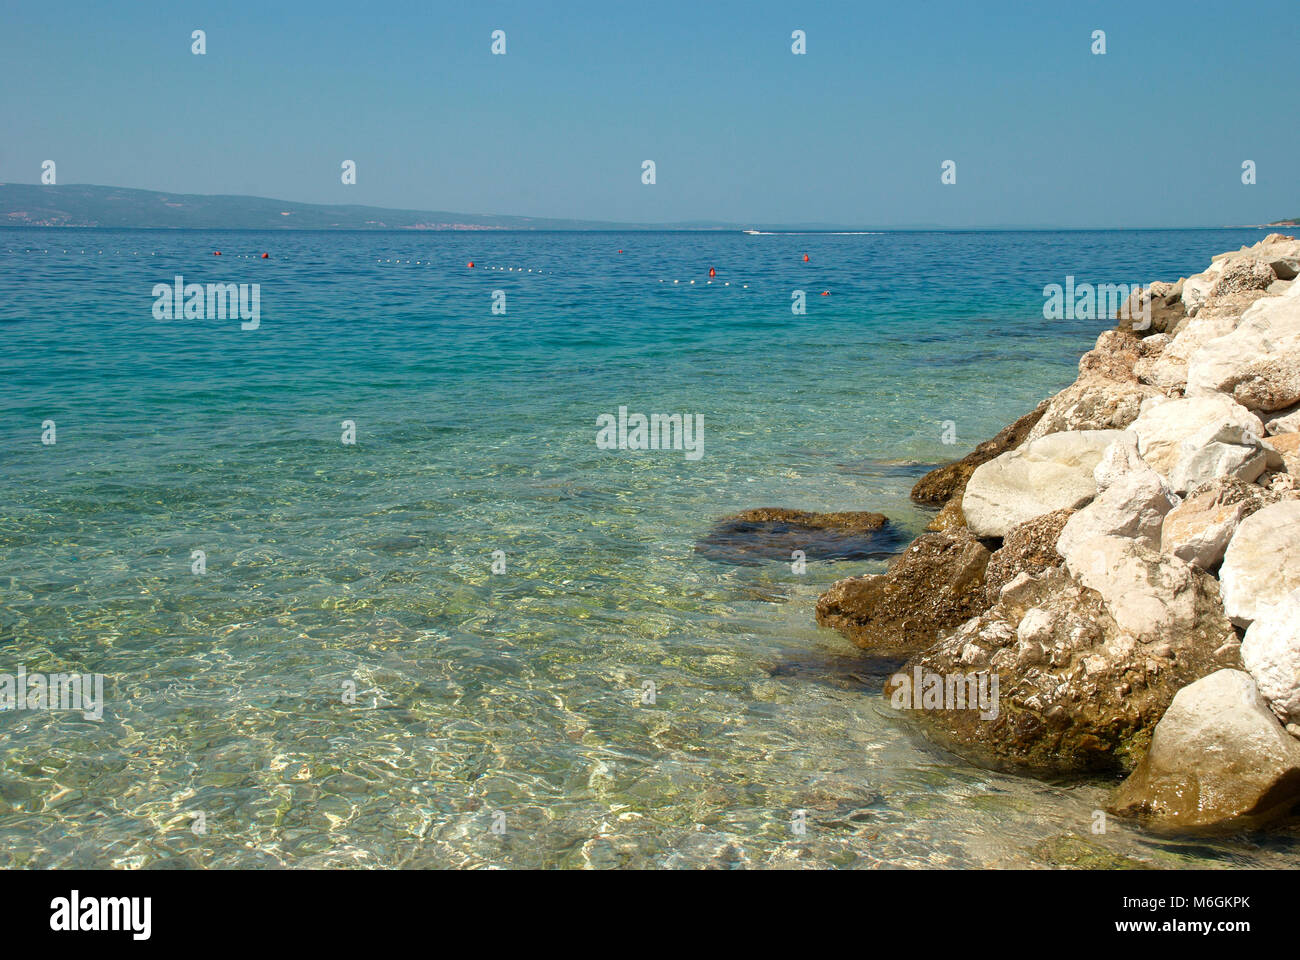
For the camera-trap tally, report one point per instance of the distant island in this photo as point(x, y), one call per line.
point(85, 205)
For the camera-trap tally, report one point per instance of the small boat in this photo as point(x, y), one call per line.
point(752, 233)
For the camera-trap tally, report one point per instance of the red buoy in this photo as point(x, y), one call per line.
point(470, 264)
point(216, 253)
point(826, 293)
point(266, 256)
point(712, 272)
point(805, 258)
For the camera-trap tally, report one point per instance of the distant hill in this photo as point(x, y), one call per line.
point(83, 205)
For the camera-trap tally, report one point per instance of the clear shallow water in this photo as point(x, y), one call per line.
point(520, 692)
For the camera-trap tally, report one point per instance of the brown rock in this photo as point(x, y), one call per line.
point(1107, 394)
point(935, 584)
point(1113, 357)
point(848, 521)
point(950, 517)
point(1288, 447)
point(1029, 548)
point(1166, 312)
point(1241, 275)
point(1076, 693)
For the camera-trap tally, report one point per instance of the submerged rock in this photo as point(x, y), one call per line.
point(1218, 759)
point(1054, 472)
point(774, 533)
point(940, 484)
point(1077, 693)
point(933, 585)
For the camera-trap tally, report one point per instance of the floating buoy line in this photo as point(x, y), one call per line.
point(133, 253)
point(535, 271)
point(706, 283)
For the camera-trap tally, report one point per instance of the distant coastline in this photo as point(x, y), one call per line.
point(89, 206)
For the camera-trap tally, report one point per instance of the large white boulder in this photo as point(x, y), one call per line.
point(1271, 653)
point(1225, 449)
point(1054, 472)
point(1258, 363)
point(1162, 428)
point(1133, 505)
point(1262, 562)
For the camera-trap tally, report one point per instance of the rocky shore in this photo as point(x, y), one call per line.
point(1125, 560)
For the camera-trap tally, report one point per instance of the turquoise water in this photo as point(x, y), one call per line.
point(511, 699)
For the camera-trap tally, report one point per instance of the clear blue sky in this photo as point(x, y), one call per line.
point(1043, 132)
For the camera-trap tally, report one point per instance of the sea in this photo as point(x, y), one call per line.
point(364, 590)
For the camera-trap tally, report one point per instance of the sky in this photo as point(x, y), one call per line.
point(1042, 131)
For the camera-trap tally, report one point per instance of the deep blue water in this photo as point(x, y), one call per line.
point(512, 698)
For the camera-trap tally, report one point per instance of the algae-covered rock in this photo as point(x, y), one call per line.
point(935, 584)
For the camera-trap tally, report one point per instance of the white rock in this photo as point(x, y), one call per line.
point(1161, 428)
point(1271, 652)
point(1051, 473)
point(1284, 421)
point(1119, 458)
point(1262, 562)
point(1150, 595)
point(1196, 289)
point(1258, 363)
point(1168, 370)
point(1200, 528)
point(1225, 449)
point(1133, 506)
